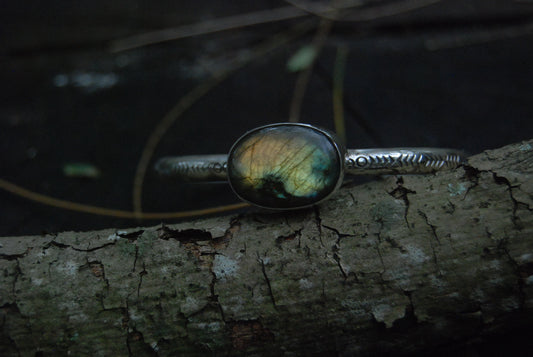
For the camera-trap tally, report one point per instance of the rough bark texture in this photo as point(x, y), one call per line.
point(395, 265)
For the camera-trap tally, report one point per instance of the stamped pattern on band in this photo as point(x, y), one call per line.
point(195, 168)
point(357, 162)
point(218, 167)
point(384, 161)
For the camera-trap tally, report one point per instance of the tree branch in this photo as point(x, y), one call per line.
point(399, 265)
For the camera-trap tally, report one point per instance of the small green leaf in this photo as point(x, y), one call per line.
point(81, 169)
point(302, 59)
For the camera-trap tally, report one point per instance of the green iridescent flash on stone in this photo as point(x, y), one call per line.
point(284, 166)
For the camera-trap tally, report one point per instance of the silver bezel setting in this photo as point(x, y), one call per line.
point(339, 150)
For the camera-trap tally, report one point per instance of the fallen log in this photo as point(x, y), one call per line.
point(399, 265)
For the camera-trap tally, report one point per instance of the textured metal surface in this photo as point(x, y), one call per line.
point(401, 160)
point(194, 168)
point(357, 162)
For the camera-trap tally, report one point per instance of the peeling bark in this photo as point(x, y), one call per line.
point(401, 264)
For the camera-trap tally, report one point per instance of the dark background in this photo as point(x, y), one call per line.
point(454, 74)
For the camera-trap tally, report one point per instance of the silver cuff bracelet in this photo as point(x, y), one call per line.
point(292, 165)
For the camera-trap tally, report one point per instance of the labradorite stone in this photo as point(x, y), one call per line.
point(284, 166)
